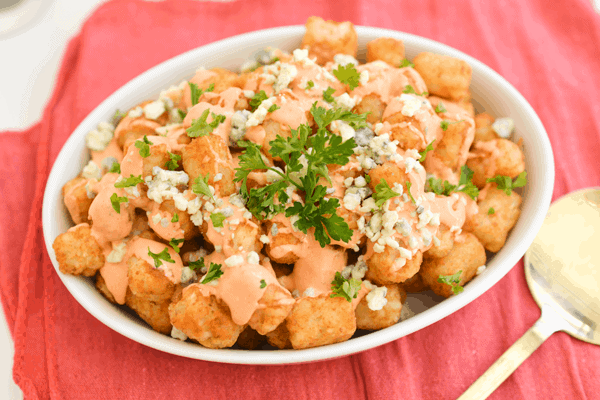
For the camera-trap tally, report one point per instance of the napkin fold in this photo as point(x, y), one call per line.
point(548, 52)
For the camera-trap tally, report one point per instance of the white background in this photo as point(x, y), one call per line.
point(33, 38)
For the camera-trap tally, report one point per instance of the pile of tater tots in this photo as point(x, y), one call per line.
point(296, 201)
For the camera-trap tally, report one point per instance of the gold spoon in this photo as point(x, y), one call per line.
point(562, 268)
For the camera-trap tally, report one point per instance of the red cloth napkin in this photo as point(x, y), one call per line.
point(549, 52)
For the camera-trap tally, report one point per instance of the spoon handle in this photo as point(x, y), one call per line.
point(548, 323)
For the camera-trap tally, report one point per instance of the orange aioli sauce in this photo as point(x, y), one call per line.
point(112, 150)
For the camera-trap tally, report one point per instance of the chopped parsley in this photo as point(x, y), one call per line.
point(117, 117)
point(507, 184)
point(163, 255)
point(115, 168)
point(175, 218)
point(383, 193)
point(427, 150)
point(347, 74)
point(440, 108)
point(144, 146)
point(214, 272)
point(406, 63)
point(367, 178)
point(200, 186)
point(408, 185)
point(263, 284)
point(491, 211)
point(194, 265)
point(439, 187)
point(128, 182)
point(196, 92)
point(273, 108)
point(410, 89)
point(316, 211)
point(453, 281)
point(217, 219)
point(174, 243)
point(309, 85)
point(327, 94)
point(172, 164)
point(444, 124)
point(257, 99)
point(116, 202)
point(200, 127)
point(182, 114)
point(465, 184)
point(346, 288)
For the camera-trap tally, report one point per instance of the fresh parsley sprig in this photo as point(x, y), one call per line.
point(116, 202)
point(257, 99)
point(214, 272)
point(347, 74)
point(160, 257)
point(453, 281)
point(440, 108)
point(445, 124)
point(174, 243)
point(200, 127)
point(144, 146)
point(409, 89)
point(196, 92)
point(507, 184)
point(196, 265)
point(327, 94)
point(128, 182)
point(201, 186)
point(172, 164)
point(217, 219)
point(383, 193)
point(423, 153)
point(346, 288)
point(465, 184)
point(406, 63)
point(115, 168)
point(408, 186)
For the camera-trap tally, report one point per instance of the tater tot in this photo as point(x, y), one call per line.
point(280, 337)
point(204, 318)
point(274, 307)
point(445, 76)
point(495, 157)
point(317, 321)
point(444, 246)
point(380, 319)
point(389, 171)
point(190, 230)
point(414, 284)
point(155, 314)
point(498, 213)
point(372, 105)
point(280, 246)
point(466, 256)
point(103, 289)
point(147, 282)
point(386, 49)
point(210, 155)
point(325, 39)
point(272, 130)
point(483, 128)
point(222, 80)
point(449, 148)
point(384, 267)
point(77, 199)
point(77, 252)
point(249, 339)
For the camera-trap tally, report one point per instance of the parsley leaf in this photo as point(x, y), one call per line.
point(410, 89)
point(200, 186)
point(196, 92)
point(347, 74)
point(144, 146)
point(309, 85)
point(408, 185)
point(453, 281)
point(440, 108)
point(465, 183)
point(346, 288)
point(491, 211)
point(427, 150)
point(174, 243)
point(172, 164)
point(324, 117)
point(508, 185)
point(327, 94)
point(128, 182)
point(217, 219)
point(182, 114)
point(117, 117)
point(273, 108)
point(175, 218)
point(116, 202)
point(406, 63)
point(383, 193)
point(368, 178)
point(257, 99)
point(214, 272)
point(163, 255)
point(444, 124)
point(200, 127)
point(115, 168)
point(263, 284)
point(439, 187)
point(194, 265)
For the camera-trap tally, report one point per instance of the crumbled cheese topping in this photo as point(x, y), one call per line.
point(504, 127)
point(99, 138)
point(177, 334)
point(376, 298)
point(234, 260)
point(411, 104)
point(91, 171)
point(117, 253)
point(163, 186)
point(154, 109)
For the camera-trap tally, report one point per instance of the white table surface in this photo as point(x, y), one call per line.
point(43, 27)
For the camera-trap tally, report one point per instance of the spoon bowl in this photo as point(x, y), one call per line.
point(562, 268)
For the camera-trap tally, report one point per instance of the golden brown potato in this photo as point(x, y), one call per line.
point(386, 49)
point(384, 268)
point(190, 230)
point(131, 129)
point(103, 289)
point(387, 316)
point(249, 339)
point(453, 145)
point(414, 284)
point(277, 304)
point(210, 155)
point(204, 318)
point(483, 128)
point(495, 157)
point(77, 252)
point(466, 256)
point(246, 235)
point(317, 321)
point(280, 337)
point(77, 200)
point(325, 39)
point(373, 105)
point(389, 171)
point(147, 282)
point(280, 246)
point(491, 228)
point(221, 78)
point(444, 247)
point(445, 76)
point(155, 314)
point(272, 130)
point(466, 104)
